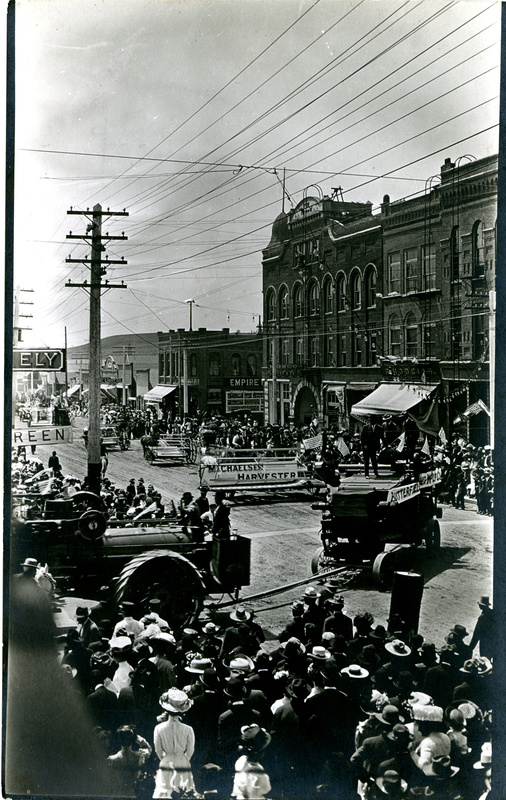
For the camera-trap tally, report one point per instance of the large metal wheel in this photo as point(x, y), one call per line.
point(432, 538)
point(321, 562)
point(168, 576)
point(383, 570)
point(92, 525)
point(82, 501)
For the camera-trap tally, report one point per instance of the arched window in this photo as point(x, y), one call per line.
point(297, 301)
point(356, 290)
point(283, 303)
point(394, 335)
point(270, 306)
point(215, 364)
point(477, 250)
point(193, 365)
point(370, 288)
point(251, 365)
point(314, 299)
point(411, 335)
point(328, 296)
point(235, 363)
point(341, 293)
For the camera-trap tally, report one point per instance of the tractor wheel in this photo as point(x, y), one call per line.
point(167, 576)
point(383, 570)
point(322, 563)
point(82, 501)
point(92, 525)
point(432, 538)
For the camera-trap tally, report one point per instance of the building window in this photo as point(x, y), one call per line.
point(236, 364)
point(356, 349)
point(300, 352)
point(371, 349)
point(251, 365)
point(411, 269)
point(285, 352)
point(428, 340)
point(283, 304)
point(328, 296)
point(394, 272)
point(341, 293)
point(193, 365)
point(477, 250)
point(297, 302)
point(215, 364)
point(356, 290)
point(394, 330)
point(315, 351)
point(329, 351)
point(270, 306)
point(370, 288)
point(314, 300)
point(306, 252)
point(429, 266)
point(454, 253)
point(411, 336)
point(342, 350)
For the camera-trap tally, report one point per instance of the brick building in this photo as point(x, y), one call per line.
point(205, 370)
point(352, 299)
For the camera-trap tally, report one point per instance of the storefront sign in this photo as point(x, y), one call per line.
point(411, 371)
point(244, 383)
point(48, 435)
point(244, 401)
point(38, 360)
point(239, 474)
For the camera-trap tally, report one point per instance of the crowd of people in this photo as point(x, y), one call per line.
point(337, 707)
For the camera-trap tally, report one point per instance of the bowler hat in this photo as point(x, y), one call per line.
point(82, 612)
point(400, 733)
point(484, 601)
point(459, 630)
point(209, 678)
point(198, 665)
point(389, 715)
point(236, 689)
point(311, 594)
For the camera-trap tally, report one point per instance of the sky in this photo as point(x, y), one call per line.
point(189, 113)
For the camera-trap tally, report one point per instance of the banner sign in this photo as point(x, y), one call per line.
point(235, 475)
point(244, 401)
point(244, 383)
point(38, 360)
point(49, 435)
point(402, 493)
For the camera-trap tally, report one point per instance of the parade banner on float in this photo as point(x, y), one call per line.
point(49, 435)
point(402, 493)
point(252, 473)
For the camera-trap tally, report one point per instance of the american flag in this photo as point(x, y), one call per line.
point(426, 448)
point(343, 447)
point(313, 442)
point(442, 435)
point(474, 409)
point(402, 441)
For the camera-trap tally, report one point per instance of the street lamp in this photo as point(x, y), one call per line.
point(190, 302)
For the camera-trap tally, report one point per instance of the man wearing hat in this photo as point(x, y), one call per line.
point(314, 613)
point(154, 616)
point(455, 640)
point(367, 758)
point(290, 742)
point(484, 630)
point(221, 516)
point(202, 501)
point(295, 627)
point(210, 643)
point(191, 519)
point(166, 673)
point(203, 717)
point(440, 680)
point(86, 628)
point(121, 651)
point(337, 621)
point(128, 624)
point(232, 720)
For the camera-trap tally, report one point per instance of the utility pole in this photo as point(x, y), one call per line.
point(98, 268)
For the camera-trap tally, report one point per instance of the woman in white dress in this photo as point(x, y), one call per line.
point(174, 745)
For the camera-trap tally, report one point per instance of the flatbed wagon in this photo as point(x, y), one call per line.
point(368, 522)
point(241, 471)
point(169, 448)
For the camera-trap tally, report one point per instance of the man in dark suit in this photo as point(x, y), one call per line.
point(221, 518)
point(371, 437)
point(87, 630)
point(102, 703)
point(231, 722)
point(203, 717)
point(440, 680)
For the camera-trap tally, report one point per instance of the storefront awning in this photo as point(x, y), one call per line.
point(157, 393)
point(393, 398)
point(74, 389)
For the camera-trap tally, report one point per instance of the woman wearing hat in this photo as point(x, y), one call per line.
point(174, 745)
point(251, 782)
point(434, 742)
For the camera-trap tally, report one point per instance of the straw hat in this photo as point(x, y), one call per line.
point(240, 614)
point(355, 671)
point(391, 783)
point(319, 653)
point(240, 663)
point(398, 648)
point(198, 665)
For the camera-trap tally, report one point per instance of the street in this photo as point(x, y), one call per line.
point(284, 531)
